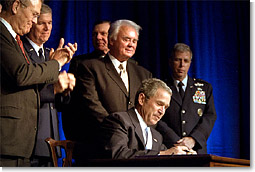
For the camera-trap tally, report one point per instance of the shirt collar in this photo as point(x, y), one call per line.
point(184, 81)
point(9, 27)
point(35, 46)
point(141, 120)
point(116, 63)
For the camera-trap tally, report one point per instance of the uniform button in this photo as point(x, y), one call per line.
point(130, 103)
point(184, 134)
point(183, 122)
point(35, 128)
point(183, 111)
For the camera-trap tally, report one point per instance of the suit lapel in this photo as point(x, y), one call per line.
point(132, 78)
point(46, 53)
point(31, 51)
point(176, 96)
point(190, 90)
point(114, 74)
point(136, 124)
point(155, 140)
point(6, 33)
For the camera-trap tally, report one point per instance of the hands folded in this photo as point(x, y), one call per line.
point(182, 146)
point(65, 84)
point(178, 150)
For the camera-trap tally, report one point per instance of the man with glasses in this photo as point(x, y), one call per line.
point(19, 99)
point(51, 95)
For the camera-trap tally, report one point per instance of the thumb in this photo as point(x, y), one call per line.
point(51, 53)
point(179, 141)
point(61, 43)
point(64, 72)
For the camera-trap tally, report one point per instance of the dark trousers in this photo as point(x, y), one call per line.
point(14, 161)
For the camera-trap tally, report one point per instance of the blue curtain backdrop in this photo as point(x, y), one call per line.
point(218, 33)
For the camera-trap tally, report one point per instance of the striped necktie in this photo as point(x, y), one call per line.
point(124, 76)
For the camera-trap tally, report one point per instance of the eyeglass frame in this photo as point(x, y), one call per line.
point(35, 16)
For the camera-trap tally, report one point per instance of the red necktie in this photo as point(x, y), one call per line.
point(21, 47)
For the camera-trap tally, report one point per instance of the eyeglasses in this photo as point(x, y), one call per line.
point(35, 14)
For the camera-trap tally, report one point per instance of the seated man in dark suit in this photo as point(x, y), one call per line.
point(104, 85)
point(128, 134)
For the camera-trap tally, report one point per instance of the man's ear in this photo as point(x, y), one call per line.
point(15, 7)
point(141, 98)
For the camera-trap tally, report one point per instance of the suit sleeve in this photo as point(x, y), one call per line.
point(203, 129)
point(118, 141)
point(170, 137)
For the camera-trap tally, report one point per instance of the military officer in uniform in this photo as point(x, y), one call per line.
point(191, 116)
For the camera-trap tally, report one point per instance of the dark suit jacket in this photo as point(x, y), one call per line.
point(48, 120)
point(189, 118)
point(99, 91)
point(122, 137)
point(92, 55)
point(78, 59)
point(19, 96)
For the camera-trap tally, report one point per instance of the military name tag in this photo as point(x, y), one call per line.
point(199, 97)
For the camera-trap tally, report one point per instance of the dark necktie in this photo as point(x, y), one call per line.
point(41, 55)
point(21, 47)
point(180, 84)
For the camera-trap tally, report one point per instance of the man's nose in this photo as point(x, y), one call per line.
point(131, 43)
point(34, 20)
point(162, 110)
point(99, 36)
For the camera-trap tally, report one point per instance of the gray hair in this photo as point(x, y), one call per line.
point(45, 9)
point(6, 4)
point(180, 47)
point(149, 88)
point(115, 27)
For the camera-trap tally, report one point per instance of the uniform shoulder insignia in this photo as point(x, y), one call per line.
point(200, 82)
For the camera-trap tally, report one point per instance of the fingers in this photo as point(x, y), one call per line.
point(179, 141)
point(184, 148)
point(61, 43)
point(63, 54)
point(71, 81)
point(71, 48)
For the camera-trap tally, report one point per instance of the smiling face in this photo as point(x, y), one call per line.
point(125, 44)
point(153, 109)
point(180, 64)
point(41, 31)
